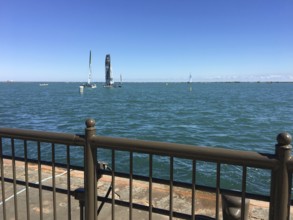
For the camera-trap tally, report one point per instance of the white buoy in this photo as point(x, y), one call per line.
point(81, 89)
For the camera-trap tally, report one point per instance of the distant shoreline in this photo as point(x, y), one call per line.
point(10, 81)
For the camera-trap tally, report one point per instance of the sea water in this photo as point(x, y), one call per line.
point(242, 116)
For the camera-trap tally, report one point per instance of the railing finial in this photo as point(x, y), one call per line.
point(284, 139)
point(90, 123)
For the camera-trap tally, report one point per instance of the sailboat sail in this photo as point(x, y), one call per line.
point(120, 84)
point(108, 72)
point(190, 79)
point(89, 84)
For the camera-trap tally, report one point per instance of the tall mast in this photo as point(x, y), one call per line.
point(90, 68)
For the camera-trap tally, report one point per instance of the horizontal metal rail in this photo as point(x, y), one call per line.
point(237, 157)
point(217, 155)
point(42, 136)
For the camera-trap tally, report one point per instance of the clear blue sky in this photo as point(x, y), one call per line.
point(149, 40)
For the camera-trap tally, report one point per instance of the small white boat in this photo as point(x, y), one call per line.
point(44, 84)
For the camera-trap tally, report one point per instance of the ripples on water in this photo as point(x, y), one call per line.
point(245, 116)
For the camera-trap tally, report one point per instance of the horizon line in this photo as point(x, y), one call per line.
point(235, 81)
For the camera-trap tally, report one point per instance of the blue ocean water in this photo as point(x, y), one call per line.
point(244, 116)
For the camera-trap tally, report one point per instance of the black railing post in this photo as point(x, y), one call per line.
point(279, 208)
point(90, 181)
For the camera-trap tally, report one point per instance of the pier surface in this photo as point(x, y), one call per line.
point(205, 202)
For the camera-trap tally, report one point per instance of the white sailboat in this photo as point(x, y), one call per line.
point(190, 82)
point(120, 84)
point(89, 84)
point(190, 79)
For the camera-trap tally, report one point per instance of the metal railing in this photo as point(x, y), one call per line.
point(279, 164)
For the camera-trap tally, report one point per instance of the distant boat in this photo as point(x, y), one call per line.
point(120, 84)
point(190, 79)
point(44, 84)
point(89, 84)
